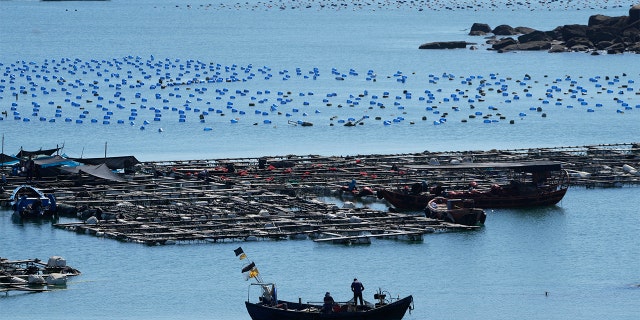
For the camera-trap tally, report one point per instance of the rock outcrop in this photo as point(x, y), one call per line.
point(444, 45)
point(612, 35)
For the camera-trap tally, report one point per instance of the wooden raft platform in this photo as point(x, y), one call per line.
point(276, 197)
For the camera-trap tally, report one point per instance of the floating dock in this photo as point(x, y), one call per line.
point(277, 197)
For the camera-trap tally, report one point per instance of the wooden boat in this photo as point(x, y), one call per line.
point(269, 307)
point(455, 211)
point(530, 184)
point(31, 203)
point(286, 310)
point(405, 201)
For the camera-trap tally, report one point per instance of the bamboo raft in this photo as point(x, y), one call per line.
point(246, 199)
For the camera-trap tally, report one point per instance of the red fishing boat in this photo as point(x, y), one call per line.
point(521, 184)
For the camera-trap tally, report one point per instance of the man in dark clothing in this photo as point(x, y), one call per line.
point(357, 287)
point(327, 307)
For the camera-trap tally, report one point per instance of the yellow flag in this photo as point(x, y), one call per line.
point(253, 273)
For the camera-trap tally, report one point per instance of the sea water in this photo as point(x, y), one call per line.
point(95, 69)
point(578, 259)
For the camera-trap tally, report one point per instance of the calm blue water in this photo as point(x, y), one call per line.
point(61, 58)
point(584, 252)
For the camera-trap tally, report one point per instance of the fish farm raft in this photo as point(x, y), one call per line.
point(285, 197)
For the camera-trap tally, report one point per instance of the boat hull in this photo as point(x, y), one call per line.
point(296, 311)
point(484, 200)
point(464, 213)
point(405, 201)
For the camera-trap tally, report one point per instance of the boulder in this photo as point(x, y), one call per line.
point(602, 20)
point(504, 30)
point(603, 45)
point(534, 36)
point(529, 46)
point(479, 29)
point(535, 45)
point(524, 30)
point(597, 20)
point(634, 14)
point(615, 48)
point(573, 31)
point(558, 48)
point(444, 45)
point(632, 34)
point(477, 33)
point(579, 48)
point(634, 48)
point(601, 33)
point(503, 43)
point(579, 41)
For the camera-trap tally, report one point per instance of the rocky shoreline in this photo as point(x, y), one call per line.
point(613, 35)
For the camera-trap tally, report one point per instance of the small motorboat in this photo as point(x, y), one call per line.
point(31, 203)
point(460, 211)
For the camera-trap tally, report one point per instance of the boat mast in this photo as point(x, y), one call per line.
point(251, 271)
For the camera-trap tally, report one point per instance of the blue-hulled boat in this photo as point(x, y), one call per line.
point(30, 203)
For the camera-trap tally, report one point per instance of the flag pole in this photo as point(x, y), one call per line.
point(251, 267)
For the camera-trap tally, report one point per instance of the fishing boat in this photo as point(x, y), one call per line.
point(269, 307)
point(516, 185)
point(405, 201)
point(30, 203)
point(455, 211)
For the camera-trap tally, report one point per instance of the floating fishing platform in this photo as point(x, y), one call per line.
point(277, 197)
point(33, 275)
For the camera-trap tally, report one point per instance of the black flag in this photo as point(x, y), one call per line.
point(248, 267)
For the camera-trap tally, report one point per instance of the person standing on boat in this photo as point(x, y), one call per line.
point(357, 288)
